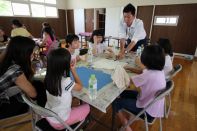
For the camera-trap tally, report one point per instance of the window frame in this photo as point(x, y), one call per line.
point(30, 10)
point(11, 9)
point(20, 15)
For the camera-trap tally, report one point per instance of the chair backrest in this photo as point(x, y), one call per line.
point(177, 68)
point(14, 90)
point(159, 95)
point(44, 111)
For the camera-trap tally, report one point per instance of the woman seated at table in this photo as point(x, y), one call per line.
point(48, 39)
point(44, 25)
point(15, 69)
point(19, 30)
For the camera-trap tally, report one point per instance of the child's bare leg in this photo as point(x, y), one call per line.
point(123, 120)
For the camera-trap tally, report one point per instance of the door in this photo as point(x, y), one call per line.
point(70, 21)
point(89, 20)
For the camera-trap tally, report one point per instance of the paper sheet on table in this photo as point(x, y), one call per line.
point(107, 64)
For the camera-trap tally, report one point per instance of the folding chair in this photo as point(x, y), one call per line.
point(177, 68)
point(38, 112)
point(142, 114)
point(12, 91)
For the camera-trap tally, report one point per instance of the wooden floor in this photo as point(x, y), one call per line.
point(183, 115)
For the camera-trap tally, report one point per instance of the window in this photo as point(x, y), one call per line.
point(37, 10)
point(51, 11)
point(166, 20)
point(34, 8)
point(5, 8)
point(20, 9)
point(45, 1)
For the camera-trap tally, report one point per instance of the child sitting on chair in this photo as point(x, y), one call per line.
point(149, 82)
point(99, 45)
point(166, 46)
point(59, 86)
point(72, 45)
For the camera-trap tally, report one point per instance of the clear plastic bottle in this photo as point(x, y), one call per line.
point(38, 67)
point(138, 53)
point(114, 47)
point(142, 48)
point(90, 54)
point(92, 87)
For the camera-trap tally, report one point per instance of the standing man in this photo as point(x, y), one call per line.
point(131, 33)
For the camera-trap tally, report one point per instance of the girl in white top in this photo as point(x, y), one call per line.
point(59, 86)
point(72, 45)
point(99, 45)
point(165, 44)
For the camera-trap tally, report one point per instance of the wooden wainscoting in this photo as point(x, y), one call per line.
point(34, 25)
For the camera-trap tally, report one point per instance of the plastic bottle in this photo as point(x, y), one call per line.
point(92, 87)
point(138, 53)
point(142, 48)
point(38, 68)
point(114, 47)
point(90, 54)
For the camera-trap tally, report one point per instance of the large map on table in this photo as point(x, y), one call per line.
point(102, 78)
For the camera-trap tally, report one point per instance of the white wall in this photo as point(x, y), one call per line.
point(112, 21)
point(61, 4)
point(79, 21)
point(76, 4)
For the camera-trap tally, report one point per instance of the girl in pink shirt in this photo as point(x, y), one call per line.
point(48, 38)
point(149, 82)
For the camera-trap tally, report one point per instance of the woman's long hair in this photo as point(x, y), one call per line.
point(49, 31)
point(58, 65)
point(19, 52)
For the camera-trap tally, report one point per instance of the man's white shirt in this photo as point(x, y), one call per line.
point(135, 32)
